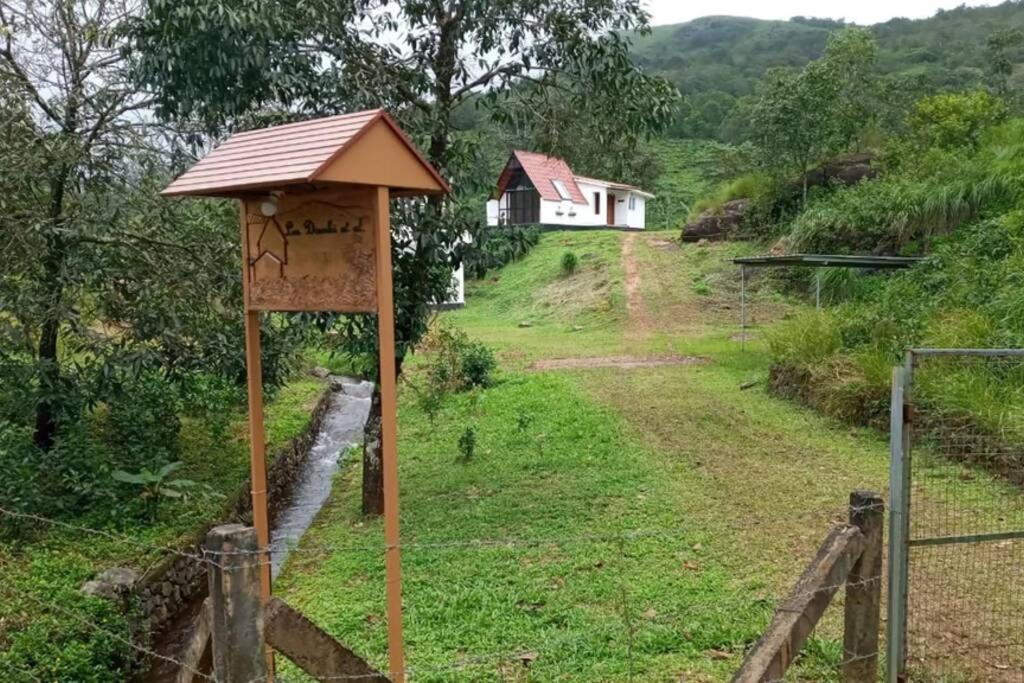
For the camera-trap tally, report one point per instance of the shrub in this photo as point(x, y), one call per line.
point(142, 423)
point(154, 487)
point(806, 340)
point(495, 247)
point(458, 363)
point(702, 288)
point(569, 263)
point(467, 444)
point(212, 399)
point(478, 364)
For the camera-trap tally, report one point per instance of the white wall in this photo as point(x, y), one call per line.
point(566, 213)
point(458, 292)
point(588, 215)
point(637, 217)
point(492, 212)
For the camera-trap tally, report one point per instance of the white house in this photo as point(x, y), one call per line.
point(535, 189)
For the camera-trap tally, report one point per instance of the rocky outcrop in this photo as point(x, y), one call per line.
point(717, 224)
point(848, 169)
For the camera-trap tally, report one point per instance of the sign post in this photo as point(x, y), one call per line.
point(316, 236)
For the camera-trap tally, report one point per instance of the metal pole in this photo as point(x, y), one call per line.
point(899, 521)
point(817, 289)
point(743, 307)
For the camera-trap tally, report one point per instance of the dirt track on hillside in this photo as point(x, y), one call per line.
point(640, 321)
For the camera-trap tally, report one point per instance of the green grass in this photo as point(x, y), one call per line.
point(587, 603)
point(531, 309)
point(738, 489)
point(47, 627)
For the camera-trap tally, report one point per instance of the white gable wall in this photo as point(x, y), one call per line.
point(636, 217)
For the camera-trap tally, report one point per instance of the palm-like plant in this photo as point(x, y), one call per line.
point(156, 486)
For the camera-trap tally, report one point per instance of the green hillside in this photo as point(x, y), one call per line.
point(716, 60)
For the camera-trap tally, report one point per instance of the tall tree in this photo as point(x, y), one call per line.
point(802, 117)
point(60, 59)
point(217, 61)
point(1000, 48)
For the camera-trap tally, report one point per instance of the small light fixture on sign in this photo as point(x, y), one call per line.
point(269, 205)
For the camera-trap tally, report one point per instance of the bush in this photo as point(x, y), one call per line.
point(478, 364)
point(458, 363)
point(212, 399)
point(495, 247)
point(806, 340)
point(80, 639)
point(569, 263)
point(142, 423)
point(467, 444)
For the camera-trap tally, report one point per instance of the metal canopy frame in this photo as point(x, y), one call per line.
point(829, 261)
point(812, 261)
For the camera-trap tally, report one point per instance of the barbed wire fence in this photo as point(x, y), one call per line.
point(960, 554)
point(635, 635)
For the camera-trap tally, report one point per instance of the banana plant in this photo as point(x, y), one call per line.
point(156, 486)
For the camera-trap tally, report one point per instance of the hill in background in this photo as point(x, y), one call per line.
point(716, 60)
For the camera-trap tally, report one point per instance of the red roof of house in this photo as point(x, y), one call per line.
point(541, 170)
point(286, 154)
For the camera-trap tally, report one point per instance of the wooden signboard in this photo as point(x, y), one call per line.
point(315, 253)
point(316, 236)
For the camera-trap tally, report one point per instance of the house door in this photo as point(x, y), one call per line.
point(611, 210)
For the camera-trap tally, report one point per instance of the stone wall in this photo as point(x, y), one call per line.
point(179, 580)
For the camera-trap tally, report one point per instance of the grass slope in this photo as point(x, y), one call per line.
point(612, 524)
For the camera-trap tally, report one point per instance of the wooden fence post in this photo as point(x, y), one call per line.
point(235, 604)
point(864, 592)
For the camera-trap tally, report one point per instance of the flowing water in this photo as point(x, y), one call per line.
point(340, 429)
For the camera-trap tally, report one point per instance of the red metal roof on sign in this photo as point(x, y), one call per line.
point(542, 169)
point(281, 155)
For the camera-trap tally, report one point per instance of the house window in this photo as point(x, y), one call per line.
point(562, 190)
point(597, 203)
point(632, 202)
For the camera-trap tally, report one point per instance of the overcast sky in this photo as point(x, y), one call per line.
point(859, 11)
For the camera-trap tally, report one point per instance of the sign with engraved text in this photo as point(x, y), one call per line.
point(315, 253)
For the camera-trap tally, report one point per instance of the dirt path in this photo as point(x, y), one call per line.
point(626, 362)
point(639, 318)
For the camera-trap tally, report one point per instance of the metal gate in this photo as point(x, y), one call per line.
point(956, 528)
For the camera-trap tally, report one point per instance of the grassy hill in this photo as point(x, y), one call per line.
point(716, 60)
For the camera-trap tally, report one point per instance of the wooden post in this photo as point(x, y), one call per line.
point(257, 431)
point(389, 432)
point(864, 592)
point(235, 605)
point(796, 618)
point(311, 649)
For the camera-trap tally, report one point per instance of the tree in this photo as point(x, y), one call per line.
point(219, 61)
point(58, 57)
point(802, 117)
point(949, 121)
point(1000, 62)
point(102, 280)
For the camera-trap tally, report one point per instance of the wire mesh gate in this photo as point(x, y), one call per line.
point(956, 543)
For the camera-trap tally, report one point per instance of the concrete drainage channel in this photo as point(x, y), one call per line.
point(340, 427)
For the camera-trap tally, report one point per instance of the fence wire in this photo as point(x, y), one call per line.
point(654, 633)
point(965, 579)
